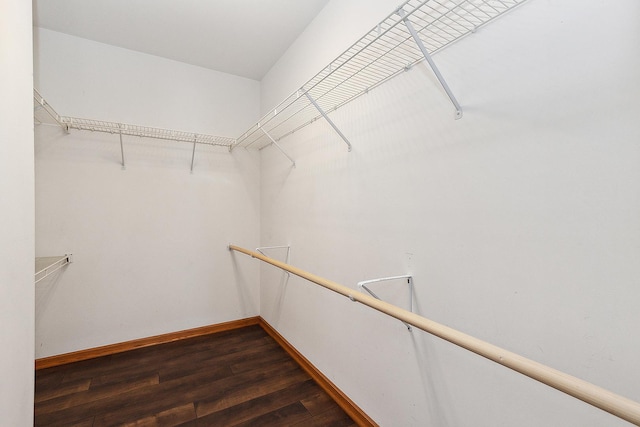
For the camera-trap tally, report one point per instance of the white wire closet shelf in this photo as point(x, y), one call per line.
point(416, 30)
point(45, 114)
point(384, 52)
point(146, 131)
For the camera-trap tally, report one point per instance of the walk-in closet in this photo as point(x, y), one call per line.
point(418, 213)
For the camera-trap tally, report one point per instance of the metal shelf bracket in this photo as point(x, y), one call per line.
point(193, 153)
point(43, 105)
point(407, 277)
point(278, 146)
point(122, 148)
point(261, 250)
point(333, 125)
point(286, 260)
point(405, 19)
point(46, 266)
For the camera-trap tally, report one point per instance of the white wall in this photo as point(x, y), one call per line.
point(149, 242)
point(82, 78)
point(519, 222)
point(16, 214)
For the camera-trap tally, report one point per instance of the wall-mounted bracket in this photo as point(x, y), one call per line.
point(321, 111)
point(43, 105)
point(278, 146)
point(409, 281)
point(286, 260)
point(46, 266)
point(122, 148)
point(193, 153)
point(261, 250)
point(401, 12)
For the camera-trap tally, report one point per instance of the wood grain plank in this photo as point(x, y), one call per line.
point(215, 344)
point(170, 417)
point(259, 386)
point(45, 380)
point(92, 353)
point(348, 405)
point(207, 359)
point(261, 405)
point(64, 389)
point(83, 423)
point(176, 354)
point(287, 416)
point(259, 359)
point(181, 391)
point(236, 377)
point(94, 395)
point(333, 417)
point(318, 403)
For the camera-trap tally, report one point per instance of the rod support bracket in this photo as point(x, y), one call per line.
point(363, 285)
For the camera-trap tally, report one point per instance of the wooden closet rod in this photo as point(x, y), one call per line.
point(600, 398)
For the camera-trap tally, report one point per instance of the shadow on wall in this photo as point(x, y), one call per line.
point(44, 293)
point(242, 287)
point(438, 400)
point(280, 297)
point(46, 289)
point(281, 291)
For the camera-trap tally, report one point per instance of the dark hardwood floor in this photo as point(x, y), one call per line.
point(234, 378)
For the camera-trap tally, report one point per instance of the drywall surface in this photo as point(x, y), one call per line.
point(16, 215)
point(519, 223)
point(82, 78)
point(149, 242)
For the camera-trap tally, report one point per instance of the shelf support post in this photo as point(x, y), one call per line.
point(401, 12)
point(121, 147)
point(278, 146)
point(193, 153)
point(321, 111)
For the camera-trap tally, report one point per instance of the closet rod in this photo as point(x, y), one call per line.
point(596, 396)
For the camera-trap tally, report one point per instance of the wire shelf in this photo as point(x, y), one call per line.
point(384, 52)
point(44, 113)
point(145, 131)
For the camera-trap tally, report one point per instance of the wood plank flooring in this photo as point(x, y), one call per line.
point(234, 378)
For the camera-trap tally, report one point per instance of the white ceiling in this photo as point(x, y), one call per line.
point(241, 37)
